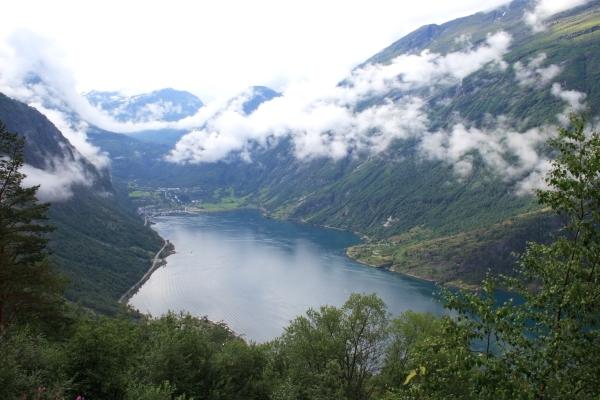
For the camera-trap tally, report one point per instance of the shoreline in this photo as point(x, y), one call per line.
point(157, 262)
point(363, 238)
point(388, 267)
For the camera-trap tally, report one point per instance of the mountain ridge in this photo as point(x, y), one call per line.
point(159, 105)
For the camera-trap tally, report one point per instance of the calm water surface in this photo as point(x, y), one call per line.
point(256, 274)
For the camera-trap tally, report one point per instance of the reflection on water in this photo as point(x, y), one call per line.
point(256, 274)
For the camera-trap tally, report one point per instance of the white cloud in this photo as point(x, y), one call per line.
point(575, 102)
point(57, 179)
point(325, 122)
point(125, 108)
point(322, 120)
point(28, 55)
point(157, 111)
point(75, 133)
point(545, 9)
point(536, 179)
point(512, 155)
point(574, 99)
point(410, 71)
point(30, 72)
point(509, 153)
point(533, 74)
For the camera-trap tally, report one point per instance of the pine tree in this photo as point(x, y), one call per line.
point(29, 291)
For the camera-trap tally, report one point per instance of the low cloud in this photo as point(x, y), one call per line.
point(515, 156)
point(57, 179)
point(546, 8)
point(376, 105)
point(157, 111)
point(575, 102)
point(30, 72)
point(534, 74)
point(574, 99)
point(130, 109)
point(413, 71)
point(326, 121)
point(75, 133)
point(335, 122)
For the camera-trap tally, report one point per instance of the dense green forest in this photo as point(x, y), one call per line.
point(546, 346)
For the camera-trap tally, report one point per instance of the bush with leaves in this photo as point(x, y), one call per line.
point(333, 352)
point(100, 355)
point(31, 366)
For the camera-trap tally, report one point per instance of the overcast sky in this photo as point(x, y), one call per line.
point(217, 48)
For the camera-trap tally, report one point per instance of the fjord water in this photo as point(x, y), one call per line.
point(256, 274)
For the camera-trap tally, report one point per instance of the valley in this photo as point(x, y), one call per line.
point(311, 201)
point(419, 214)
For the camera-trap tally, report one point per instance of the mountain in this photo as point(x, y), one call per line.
point(246, 102)
point(570, 42)
point(160, 105)
point(255, 96)
point(140, 157)
point(419, 214)
point(99, 242)
point(164, 105)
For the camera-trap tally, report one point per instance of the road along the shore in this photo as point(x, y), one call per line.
point(158, 261)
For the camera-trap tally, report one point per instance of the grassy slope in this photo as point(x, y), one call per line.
point(461, 259)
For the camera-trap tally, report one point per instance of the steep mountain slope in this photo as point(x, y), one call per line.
point(99, 243)
point(398, 192)
point(402, 190)
point(571, 41)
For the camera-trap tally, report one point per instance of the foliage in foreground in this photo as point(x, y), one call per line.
point(546, 346)
point(29, 290)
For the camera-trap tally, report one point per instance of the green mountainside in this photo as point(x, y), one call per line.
point(570, 41)
point(99, 243)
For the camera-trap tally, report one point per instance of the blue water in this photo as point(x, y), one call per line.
point(256, 274)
